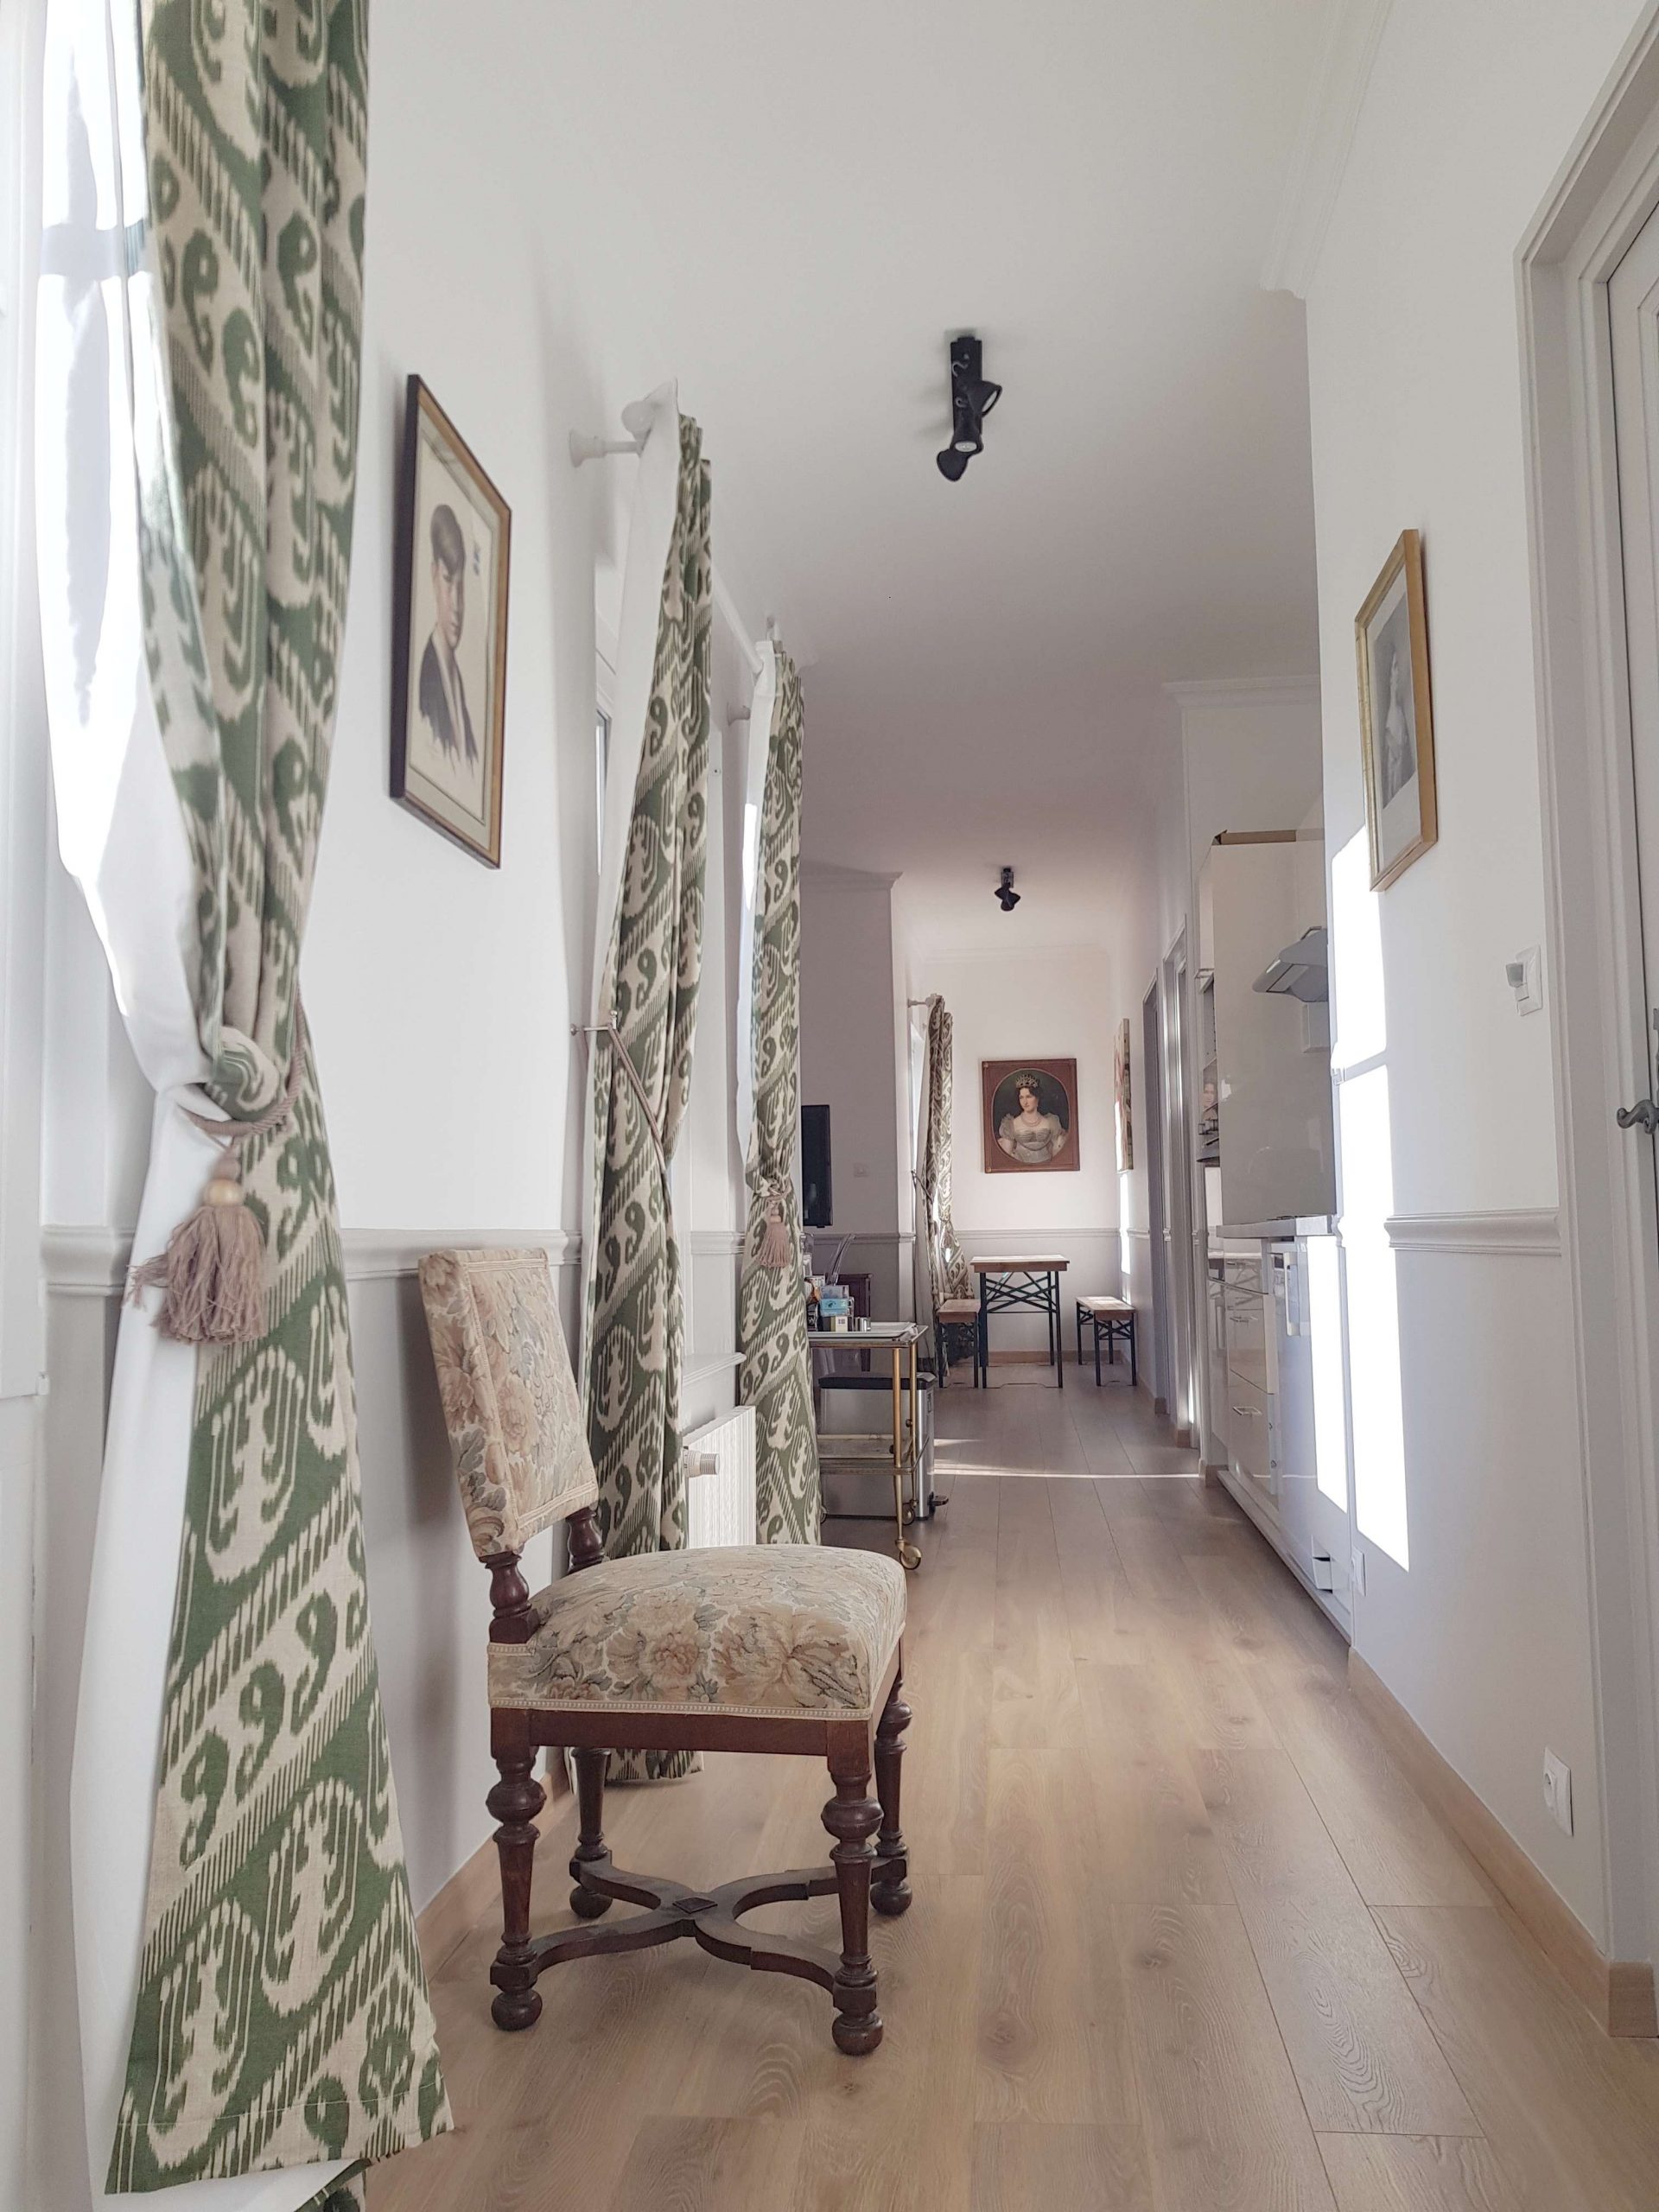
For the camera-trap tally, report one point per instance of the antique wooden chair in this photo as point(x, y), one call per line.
point(753, 1648)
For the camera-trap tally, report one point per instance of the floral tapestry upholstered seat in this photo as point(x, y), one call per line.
point(763, 1648)
point(754, 1627)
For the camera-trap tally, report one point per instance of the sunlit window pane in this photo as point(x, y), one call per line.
point(1330, 1412)
point(1373, 1311)
point(1359, 1017)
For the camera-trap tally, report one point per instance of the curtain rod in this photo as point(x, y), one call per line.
point(584, 447)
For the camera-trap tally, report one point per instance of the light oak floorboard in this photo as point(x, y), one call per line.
point(1034, 1689)
point(1419, 2173)
point(1099, 1606)
point(704, 2165)
point(1224, 2123)
point(1146, 1818)
point(1572, 2115)
point(1157, 1845)
point(1363, 2054)
point(1025, 2165)
point(1270, 1832)
point(1052, 2042)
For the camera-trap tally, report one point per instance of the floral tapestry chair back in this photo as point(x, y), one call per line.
point(509, 1397)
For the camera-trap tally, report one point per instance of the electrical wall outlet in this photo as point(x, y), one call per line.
point(1558, 1791)
point(1356, 1573)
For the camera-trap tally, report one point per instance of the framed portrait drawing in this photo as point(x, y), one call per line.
point(1120, 1093)
point(449, 633)
point(1030, 1110)
point(1395, 717)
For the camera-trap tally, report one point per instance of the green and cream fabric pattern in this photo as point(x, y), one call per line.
point(949, 1273)
point(777, 1372)
point(641, 1066)
point(282, 2017)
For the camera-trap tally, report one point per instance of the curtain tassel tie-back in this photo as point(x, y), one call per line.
point(774, 1248)
point(212, 1275)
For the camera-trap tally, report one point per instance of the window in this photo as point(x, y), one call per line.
point(1365, 1176)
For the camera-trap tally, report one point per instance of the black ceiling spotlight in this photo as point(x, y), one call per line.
point(1007, 897)
point(972, 397)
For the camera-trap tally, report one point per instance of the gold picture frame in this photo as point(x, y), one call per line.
point(1397, 721)
point(449, 633)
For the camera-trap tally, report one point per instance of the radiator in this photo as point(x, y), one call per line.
point(720, 1468)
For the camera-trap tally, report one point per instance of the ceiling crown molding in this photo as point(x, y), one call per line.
point(1353, 31)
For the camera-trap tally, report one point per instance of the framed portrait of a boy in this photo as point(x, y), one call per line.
point(1397, 721)
point(449, 633)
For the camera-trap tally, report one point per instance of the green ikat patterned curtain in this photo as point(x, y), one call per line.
point(947, 1271)
point(282, 2017)
point(642, 1073)
point(777, 1370)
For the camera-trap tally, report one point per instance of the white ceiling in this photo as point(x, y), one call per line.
point(799, 203)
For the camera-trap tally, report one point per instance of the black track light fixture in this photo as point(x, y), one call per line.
point(1007, 897)
point(972, 397)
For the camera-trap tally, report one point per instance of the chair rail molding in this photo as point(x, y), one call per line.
point(1519, 1233)
point(93, 1262)
point(1319, 160)
point(713, 1243)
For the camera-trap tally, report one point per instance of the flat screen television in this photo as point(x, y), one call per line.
point(817, 1201)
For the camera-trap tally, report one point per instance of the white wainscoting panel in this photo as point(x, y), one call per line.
point(1485, 1639)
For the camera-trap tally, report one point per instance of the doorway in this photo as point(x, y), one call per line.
point(1178, 1199)
point(1589, 288)
point(1151, 1117)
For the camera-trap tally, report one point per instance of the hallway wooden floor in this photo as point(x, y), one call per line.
point(1183, 1937)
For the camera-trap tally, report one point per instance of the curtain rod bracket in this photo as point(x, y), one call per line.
point(584, 447)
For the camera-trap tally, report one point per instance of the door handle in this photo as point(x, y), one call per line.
point(1643, 1115)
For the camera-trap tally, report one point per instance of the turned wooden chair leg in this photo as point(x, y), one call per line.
point(890, 1889)
point(853, 1819)
point(589, 1904)
point(514, 1802)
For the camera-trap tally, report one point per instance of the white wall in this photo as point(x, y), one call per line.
point(851, 1062)
point(1413, 377)
point(1042, 1003)
point(23, 868)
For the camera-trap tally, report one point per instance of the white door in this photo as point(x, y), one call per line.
point(1633, 305)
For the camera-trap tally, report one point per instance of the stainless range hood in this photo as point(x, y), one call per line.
point(1300, 971)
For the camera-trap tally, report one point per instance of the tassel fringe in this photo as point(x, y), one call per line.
point(211, 1276)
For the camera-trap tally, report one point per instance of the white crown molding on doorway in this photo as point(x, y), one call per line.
point(829, 875)
point(1245, 691)
point(1517, 1234)
point(1324, 139)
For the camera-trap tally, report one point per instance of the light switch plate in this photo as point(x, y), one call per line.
point(1525, 976)
point(1558, 1791)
